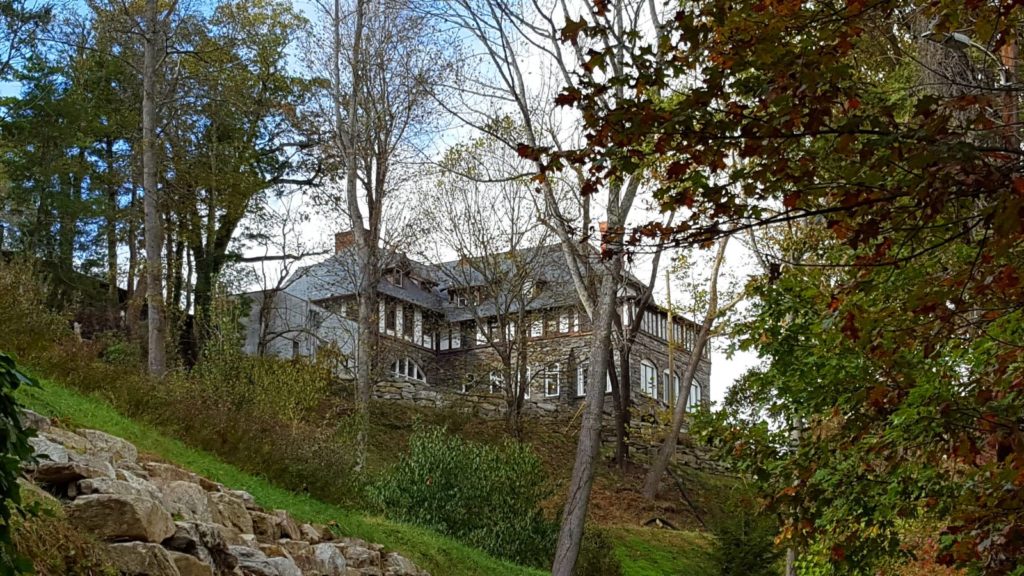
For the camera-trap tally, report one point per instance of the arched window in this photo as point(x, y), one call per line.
point(407, 368)
point(649, 378)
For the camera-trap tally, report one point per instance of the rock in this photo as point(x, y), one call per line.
point(255, 563)
point(190, 565)
point(112, 448)
point(64, 473)
point(118, 517)
point(67, 439)
point(329, 560)
point(285, 566)
point(210, 485)
point(48, 451)
point(310, 534)
point(246, 498)
point(34, 420)
point(358, 556)
point(166, 472)
point(396, 565)
point(141, 559)
point(301, 553)
point(206, 542)
point(111, 486)
point(229, 510)
point(275, 550)
point(266, 527)
point(185, 500)
point(288, 527)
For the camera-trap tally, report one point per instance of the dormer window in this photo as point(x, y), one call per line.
point(397, 278)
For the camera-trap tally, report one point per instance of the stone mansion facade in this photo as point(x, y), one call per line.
point(433, 340)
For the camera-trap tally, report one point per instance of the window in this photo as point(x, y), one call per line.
point(295, 348)
point(313, 319)
point(694, 400)
point(574, 323)
point(497, 381)
point(407, 321)
point(563, 323)
point(551, 376)
point(536, 329)
point(456, 333)
point(390, 317)
point(469, 383)
point(649, 378)
point(582, 374)
point(672, 389)
point(397, 278)
point(407, 368)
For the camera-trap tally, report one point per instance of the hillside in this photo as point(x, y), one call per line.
point(641, 551)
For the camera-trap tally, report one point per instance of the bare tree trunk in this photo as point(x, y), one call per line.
point(111, 233)
point(668, 446)
point(587, 450)
point(153, 223)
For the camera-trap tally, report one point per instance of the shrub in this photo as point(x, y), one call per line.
point(27, 323)
point(486, 496)
point(597, 555)
point(744, 538)
point(14, 449)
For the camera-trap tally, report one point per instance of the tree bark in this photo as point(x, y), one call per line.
point(157, 353)
point(111, 232)
point(587, 450)
point(668, 446)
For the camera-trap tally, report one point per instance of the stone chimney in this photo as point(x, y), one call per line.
point(343, 240)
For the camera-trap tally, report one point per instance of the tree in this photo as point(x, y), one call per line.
point(712, 314)
point(483, 211)
point(237, 135)
point(382, 63)
point(899, 345)
point(509, 34)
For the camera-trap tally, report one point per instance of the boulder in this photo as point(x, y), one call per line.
point(47, 450)
point(302, 553)
point(34, 420)
point(190, 565)
point(229, 510)
point(64, 473)
point(142, 559)
point(117, 517)
point(288, 527)
point(111, 486)
point(204, 541)
point(166, 472)
point(357, 556)
point(185, 500)
point(396, 565)
point(329, 561)
point(246, 499)
point(310, 534)
point(112, 448)
point(256, 563)
point(266, 527)
point(67, 439)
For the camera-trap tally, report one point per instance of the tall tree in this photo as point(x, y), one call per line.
point(483, 212)
point(382, 62)
point(906, 361)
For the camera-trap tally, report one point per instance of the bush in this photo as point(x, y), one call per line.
point(597, 555)
point(27, 323)
point(486, 496)
point(744, 539)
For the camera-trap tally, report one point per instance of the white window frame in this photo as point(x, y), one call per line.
point(563, 323)
point(549, 372)
point(495, 379)
point(407, 369)
point(536, 329)
point(649, 378)
point(582, 373)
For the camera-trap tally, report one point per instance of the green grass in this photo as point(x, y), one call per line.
point(440, 555)
point(653, 552)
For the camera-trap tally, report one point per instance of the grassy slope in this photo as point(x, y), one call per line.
point(439, 555)
point(649, 552)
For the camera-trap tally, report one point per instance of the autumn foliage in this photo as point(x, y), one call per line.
point(888, 194)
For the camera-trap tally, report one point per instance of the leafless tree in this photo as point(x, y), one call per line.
point(527, 58)
point(483, 212)
point(382, 62)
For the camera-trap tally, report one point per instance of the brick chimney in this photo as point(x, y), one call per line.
point(343, 240)
point(603, 229)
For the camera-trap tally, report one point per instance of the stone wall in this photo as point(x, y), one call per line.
point(161, 520)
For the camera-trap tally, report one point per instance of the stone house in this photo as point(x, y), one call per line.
point(436, 331)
